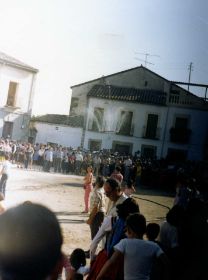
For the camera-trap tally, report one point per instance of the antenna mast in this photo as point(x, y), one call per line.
point(146, 57)
point(190, 68)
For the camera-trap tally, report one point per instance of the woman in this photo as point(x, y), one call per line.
point(97, 207)
point(88, 179)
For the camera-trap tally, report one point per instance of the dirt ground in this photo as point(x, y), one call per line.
point(64, 195)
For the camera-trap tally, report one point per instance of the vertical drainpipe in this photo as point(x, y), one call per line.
point(30, 103)
point(166, 121)
point(85, 123)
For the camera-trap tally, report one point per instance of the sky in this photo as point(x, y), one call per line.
point(74, 41)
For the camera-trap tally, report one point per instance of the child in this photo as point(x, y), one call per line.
point(139, 254)
point(75, 265)
point(88, 180)
point(129, 189)
point(152, 231)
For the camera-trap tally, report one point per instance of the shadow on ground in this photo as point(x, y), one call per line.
point(72, 184)
point(71, 221)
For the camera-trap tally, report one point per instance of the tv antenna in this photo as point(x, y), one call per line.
point(146, 57)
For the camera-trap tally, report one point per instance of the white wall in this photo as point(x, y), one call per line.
point(23, 78)
point(198, 123)
point(63, 135)
point(20, 114)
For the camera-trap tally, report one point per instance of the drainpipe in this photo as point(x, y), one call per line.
point(84, 124)
point(166, 122)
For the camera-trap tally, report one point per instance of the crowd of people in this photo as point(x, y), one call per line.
point(123, 245)
point(157, 173)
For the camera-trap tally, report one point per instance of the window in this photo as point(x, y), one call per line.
point(94, 145)
point(7, 130)
point(180, 133)
point(181, 123)
point(148, 151)
point(124, 125)
point(11, 98)
point(74, 105)
point(97, 121)
point(122, 148)
point(151, 129)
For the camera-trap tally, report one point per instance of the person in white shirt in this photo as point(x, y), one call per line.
point(5, 171)
point(139, 255)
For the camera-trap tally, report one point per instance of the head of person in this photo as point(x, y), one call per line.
point(78, 258)
point(128, 207)
point(118, 169)
point(112, 189)
point(152, 231)
point(135, 225)
point(175, 215)
point(100, 180)
point(89, 169)
point(30, 243)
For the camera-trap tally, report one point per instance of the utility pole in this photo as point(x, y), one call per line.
point(190, 68)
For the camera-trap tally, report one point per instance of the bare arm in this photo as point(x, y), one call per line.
point(92, 215)
point(109, 264)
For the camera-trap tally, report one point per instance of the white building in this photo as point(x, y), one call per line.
point(17, 81)
point(138, 110)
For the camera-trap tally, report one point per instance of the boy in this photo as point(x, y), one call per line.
point(139, 255)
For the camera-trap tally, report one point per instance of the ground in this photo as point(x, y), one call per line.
point(64, 195)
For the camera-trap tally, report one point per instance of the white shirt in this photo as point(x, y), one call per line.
point(138, 257)
point(6, 166)
point(111, 209)
point(105, 227)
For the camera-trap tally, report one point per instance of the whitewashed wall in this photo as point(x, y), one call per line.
point(63, 135)
point(19, 115)
point(198, 123)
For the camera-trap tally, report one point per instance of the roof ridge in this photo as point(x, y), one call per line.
point(15, 62)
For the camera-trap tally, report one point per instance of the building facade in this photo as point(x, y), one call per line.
point(17, 82)
point(131, 111)
point(138, 110)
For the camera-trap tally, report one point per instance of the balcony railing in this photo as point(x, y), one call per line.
point(153, 134)
point(180, 135)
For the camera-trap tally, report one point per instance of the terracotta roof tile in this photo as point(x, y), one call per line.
point(147, 96)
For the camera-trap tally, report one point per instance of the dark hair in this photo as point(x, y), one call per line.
point(129, 206)
point(114, 184)
point(129, 184)
point(175, 215)
point(152, 231)
point(137, 223)
point(100, 180)
point(77, 258)
point(30, 243)
point(118, 168)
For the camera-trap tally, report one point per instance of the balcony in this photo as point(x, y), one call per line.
point(180, 135)
point(153, 133)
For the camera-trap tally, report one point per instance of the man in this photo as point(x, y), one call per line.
point(48, 159)
point(113, 191)
point(30, 243)
point(6, 166)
